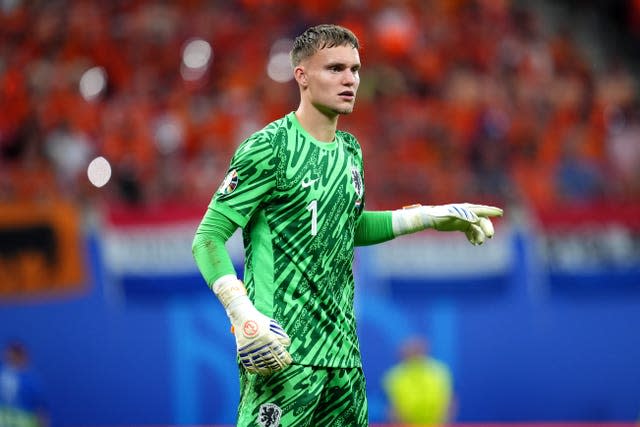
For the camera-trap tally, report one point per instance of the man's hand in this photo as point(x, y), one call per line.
point(261, 341)
point(469, 218)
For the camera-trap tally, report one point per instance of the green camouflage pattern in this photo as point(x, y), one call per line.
point(304, 396)
point(298, 201)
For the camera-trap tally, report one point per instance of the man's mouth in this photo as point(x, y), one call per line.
point(347, 94)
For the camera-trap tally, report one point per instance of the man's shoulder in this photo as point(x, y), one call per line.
point(346, 135)
point(349, 140)
point(271, 129)
point(264, 137)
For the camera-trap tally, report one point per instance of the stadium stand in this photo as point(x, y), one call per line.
point(474, 100)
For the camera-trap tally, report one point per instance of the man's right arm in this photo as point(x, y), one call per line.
point(261, 341)
point(208, 246)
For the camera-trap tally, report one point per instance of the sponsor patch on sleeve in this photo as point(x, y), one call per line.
point(229, 183)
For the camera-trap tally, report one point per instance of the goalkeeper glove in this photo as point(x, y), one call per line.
point(469, 218)
point(261, 342)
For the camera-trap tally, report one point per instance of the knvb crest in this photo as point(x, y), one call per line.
point(357, 184)
point(269, 415)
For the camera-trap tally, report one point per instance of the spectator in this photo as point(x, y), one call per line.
point(526, 86)
point(22, 402)
point(419, 388)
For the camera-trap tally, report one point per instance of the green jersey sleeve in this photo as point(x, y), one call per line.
point(373, 227)
point(248, 181)
point(208, 246)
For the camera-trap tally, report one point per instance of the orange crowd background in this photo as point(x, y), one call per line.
point(460, 100)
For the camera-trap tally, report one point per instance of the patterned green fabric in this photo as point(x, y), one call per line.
point(298, 201)
point(304, 396)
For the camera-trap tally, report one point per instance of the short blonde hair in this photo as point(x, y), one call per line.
point(320, 37)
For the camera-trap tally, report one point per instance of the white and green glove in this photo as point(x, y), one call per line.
point(473, 220)
point(261, 342)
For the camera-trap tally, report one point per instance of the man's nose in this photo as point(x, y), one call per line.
point(349, 78)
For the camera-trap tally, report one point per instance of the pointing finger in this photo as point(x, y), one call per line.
point(485, 210)
point(487, 226)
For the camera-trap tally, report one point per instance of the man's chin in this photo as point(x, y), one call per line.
point(338, 111)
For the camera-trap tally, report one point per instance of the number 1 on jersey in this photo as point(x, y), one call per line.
point(313, 208)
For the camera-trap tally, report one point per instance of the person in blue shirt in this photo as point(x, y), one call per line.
point(22, 402)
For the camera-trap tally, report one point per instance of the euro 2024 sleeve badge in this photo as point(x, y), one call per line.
point(229, 183)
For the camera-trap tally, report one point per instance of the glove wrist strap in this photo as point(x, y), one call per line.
point(409, 219)
point(228, 288)
point(241, 309)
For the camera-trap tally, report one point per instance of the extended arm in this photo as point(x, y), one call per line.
point(474, 220)
point(261, 341)
point(374, 227)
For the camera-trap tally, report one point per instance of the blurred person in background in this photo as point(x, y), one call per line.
point(297, 190)
point(419, 388)
point(22, 401)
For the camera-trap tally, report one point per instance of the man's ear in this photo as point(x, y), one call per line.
point(300, 75)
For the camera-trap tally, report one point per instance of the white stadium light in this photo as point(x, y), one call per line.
point(99, 171)
point(281, 46)
point(196, 58)
point(93, 83)
point(279, 67)
point(168, 134)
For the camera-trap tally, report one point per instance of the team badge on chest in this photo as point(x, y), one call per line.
point(358, 185)
point(269, 415)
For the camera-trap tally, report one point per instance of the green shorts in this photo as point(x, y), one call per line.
point(303, 396)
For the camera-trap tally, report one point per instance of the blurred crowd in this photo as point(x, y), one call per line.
point(460, 100)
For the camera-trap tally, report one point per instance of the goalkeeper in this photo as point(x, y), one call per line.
point(297, 190)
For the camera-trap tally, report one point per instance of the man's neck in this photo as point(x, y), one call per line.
point(318, 125)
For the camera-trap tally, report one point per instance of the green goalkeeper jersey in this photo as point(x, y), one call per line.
point(298, 201)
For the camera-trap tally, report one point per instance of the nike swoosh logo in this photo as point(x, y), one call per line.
point(308, 183)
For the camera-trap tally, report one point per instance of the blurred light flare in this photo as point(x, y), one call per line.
point(99, 171)
point(279, 68)
point(168, 134)
point(93, 83)
point(281, 46)
point(196, 59)
point(8, 6)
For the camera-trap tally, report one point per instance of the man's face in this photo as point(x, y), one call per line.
point(332, 79)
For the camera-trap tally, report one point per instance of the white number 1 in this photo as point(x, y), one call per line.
point(313, 208)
